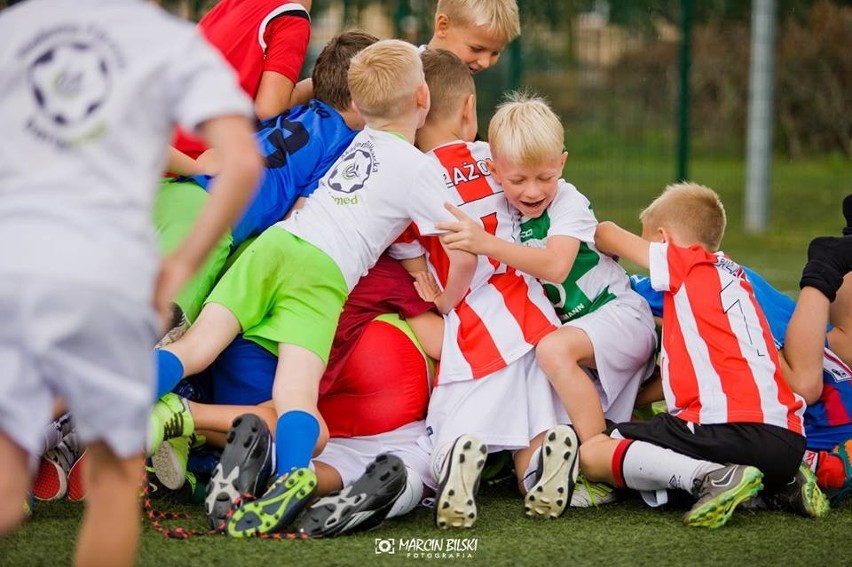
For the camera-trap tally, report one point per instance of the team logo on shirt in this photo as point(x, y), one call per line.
point(70, 76)
point(351, 171)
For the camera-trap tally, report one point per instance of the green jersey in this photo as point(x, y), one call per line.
point(595, 279)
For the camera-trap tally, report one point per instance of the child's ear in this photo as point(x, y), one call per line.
point(469, 110)
point(564, 159)
point(442, 23)
point(423, 99)
point(489, 163)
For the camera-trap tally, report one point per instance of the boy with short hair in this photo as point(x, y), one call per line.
point(299, 146)
point(477, 31)
point(91, 91)
point(309, 262)
point(604, 349)
point(727, 398)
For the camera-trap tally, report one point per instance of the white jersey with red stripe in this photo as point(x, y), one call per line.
point(506, 312)
point(719, 363)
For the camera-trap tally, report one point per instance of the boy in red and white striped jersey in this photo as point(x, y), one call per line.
point(727, 398)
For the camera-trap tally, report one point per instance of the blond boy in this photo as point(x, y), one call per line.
point(603, 351)
point(477, 31)
point(285, 292)
point(727, 398)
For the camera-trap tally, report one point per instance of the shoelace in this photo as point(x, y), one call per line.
point(156, 516)
point(594, 489)
point(173, 427)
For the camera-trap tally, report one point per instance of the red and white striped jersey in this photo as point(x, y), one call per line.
point(506, 312)
point(719, 363)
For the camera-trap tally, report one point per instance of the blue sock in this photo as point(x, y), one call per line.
point(296, 435)
point(169, 372)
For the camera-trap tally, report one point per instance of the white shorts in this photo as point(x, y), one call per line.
point(90, 347)
point(623, 336)
point(350, 456)
point(505, 410)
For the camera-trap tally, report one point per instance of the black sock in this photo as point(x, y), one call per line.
point(847, 213)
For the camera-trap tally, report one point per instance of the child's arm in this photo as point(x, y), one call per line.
point(273, 95)
point(613, 240)
point(552, 263)
point(462, 268)
point(230, 191)
point(178, 163)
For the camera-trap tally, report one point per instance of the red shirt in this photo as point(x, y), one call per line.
point(718, 362)
point(254, 36)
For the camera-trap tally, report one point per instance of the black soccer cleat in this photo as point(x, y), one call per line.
point(361, 506)
point(243, 472)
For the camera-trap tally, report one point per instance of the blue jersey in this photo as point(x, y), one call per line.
point(298, 146)
point(828, 421)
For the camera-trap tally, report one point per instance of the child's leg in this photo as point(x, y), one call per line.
point(328, 479)
point(561, 355)
point(218, 418)
point(110, 532)
point(214, 330)
point(14, 483)
point(840, 315)
point(295, 393)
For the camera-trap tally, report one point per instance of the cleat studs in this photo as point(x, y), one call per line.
point(547, 450)
point(552, 436)
point(467, 445)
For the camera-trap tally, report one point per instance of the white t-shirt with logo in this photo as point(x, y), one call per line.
point(377, 187)
point(90, 91)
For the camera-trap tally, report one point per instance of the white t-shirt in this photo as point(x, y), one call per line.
point(370, 195)
point(90, 91)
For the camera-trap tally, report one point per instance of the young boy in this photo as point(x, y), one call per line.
point(604, 349)
point(299, 147)
point(265, 41)
point(727, 398)
point(490, 395)
point(90, 95)
point(308, 263)
point(477, 31)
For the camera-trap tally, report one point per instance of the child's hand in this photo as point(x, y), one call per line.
point(465, 234)
point(426, 286)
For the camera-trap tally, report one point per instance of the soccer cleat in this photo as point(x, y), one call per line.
point(190, 491)
point(170, 460)
point(51, 481)
point(275, 510)
point(455, 506)
point(556, 474)
point(76, 484)
point(844, 452)
point(361, 506)
point(177, 327)
point(719, 492)
point(588, 494)
point(28, 505)
point(170, 418)
point(801, 496)
point(243, 471)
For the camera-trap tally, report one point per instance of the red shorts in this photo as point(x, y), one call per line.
point(383, 385)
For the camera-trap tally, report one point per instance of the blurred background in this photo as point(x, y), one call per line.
point(654, 91)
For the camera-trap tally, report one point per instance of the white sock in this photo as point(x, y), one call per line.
point(410, 497)
point(649, 467)
point(529, 474)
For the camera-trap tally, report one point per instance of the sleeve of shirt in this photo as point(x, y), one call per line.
point(406, 246)
point(427, 198)
point(287, 39)
point(642, 285)
point(204, 86)
point(669, 264)
point(571, 215)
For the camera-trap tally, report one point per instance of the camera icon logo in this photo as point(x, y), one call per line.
point(385, 546)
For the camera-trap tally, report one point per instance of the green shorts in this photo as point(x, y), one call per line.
point(283, 289)
point(177, 206)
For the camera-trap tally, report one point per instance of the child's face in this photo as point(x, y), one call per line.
point(478, 47)
point(529, 188)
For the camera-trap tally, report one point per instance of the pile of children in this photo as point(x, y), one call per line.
point(383, 236)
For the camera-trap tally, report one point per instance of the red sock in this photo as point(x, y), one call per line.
point(830, 471)
point(618, 462)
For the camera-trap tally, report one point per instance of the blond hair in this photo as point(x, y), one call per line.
point(449, 80)
point(524, 129)
point(693, 210)
point(499, 17)
point(384, 78)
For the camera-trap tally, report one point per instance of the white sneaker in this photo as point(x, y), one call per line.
point(588, 494)
point(556, 474)
point(455, 506)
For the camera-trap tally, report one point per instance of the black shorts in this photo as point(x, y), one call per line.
point(776, 451)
